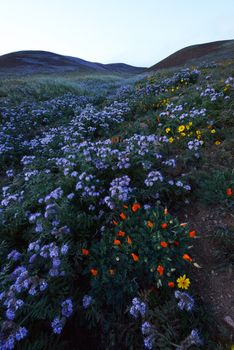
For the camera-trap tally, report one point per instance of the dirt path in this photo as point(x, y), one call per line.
point(214, 281)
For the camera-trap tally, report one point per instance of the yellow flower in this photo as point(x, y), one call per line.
point(213, 131)
point(171, 139)
point(183, 282)
point(181, 128)
point(190, 123)
point(183, 134)
point(218, 143)
point(198, 132)
point(187, 126)
point(168, 130)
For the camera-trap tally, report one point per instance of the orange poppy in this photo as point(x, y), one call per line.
point(160, 269)
point(94, 272)
point(121, 233)
point(135, 207)
point(135, 257)
point(150, 224)
point(85, 251)
point(164, 225)
point(165, 211)
point(115, 222)
point(117, 242)
point(187, 257)
point(164, 244)
point(192, 234)
point(125, 206)
point(171, 284)
point(183, 224)
point(229, 192)
point(123, 216)
point(129, 240)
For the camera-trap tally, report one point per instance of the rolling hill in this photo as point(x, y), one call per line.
point(39, 62)
point(216, 50)
point(31, 62)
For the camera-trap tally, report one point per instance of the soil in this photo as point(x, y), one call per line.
point(214, 281)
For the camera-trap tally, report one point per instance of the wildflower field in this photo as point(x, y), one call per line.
point(116, 210)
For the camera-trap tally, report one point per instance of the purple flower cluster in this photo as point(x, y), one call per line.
point(17, 333)
point(153, 177)
point(14, 255)
point(88, 185)
point(186, 302)
point(138, 308)
point(119, 190)
point(87, 301)
point(66, 310)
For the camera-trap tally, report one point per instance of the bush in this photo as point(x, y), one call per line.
point(145, 248)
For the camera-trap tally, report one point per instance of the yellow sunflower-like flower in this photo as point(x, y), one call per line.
point(170, 139)
point(181, 128)
point(183, 282)
point(213, 131)
point(168, 130)
point(218, 143)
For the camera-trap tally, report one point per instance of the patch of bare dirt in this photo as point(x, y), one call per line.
point(214, 281)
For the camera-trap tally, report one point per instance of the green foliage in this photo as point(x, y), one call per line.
point(147, 248)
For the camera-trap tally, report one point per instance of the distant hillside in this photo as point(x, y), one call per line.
point(31, 62)
point(216, 51)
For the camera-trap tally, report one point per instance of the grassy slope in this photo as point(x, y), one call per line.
point(213, 51)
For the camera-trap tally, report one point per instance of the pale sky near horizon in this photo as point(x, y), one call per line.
point(137, 32)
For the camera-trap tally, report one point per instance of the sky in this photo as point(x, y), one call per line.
point(137, 32)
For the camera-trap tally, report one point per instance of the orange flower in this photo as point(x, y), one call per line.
point(125, 206)
point(160, 269)
point(163, 244)
point(187, 257)
point(135, 257)
point(150, 224)
point(117, 242)
point(165, 211)
point(164, 225)
point(85, 251)
point(229, 192)
point(115, 222)
point(111, 272)
point(121, 233)
point(135, 207)
point(94, 272)
point(171, 284)
point(183, 224)
point(123, 216)
point(129, 240)
point(192, 234)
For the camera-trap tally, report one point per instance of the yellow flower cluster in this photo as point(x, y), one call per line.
point(163, 102)
point(184, 130)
